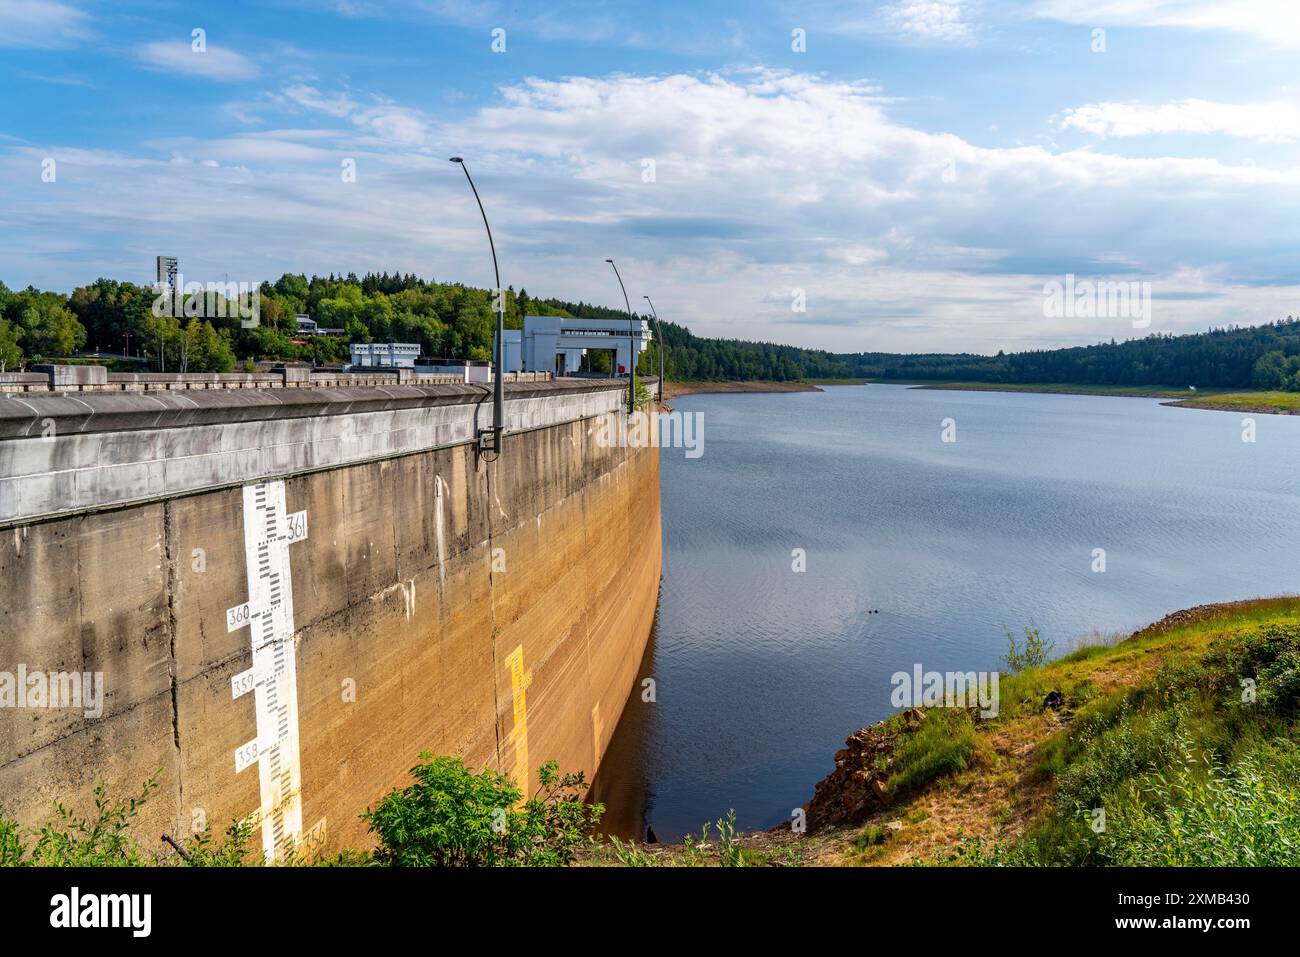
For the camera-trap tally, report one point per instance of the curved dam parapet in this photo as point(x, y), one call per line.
point(276, 599)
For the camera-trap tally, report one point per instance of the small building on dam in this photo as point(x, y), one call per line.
point(275, 590)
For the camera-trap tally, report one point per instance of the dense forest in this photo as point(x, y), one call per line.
point(451, 320)
point(1266, 357)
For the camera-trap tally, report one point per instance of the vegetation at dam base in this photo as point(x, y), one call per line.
point(449, 817)
point(1176, 745)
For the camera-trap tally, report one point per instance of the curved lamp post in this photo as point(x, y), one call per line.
point(659, 333)
point(631, 343)
point(498, 377)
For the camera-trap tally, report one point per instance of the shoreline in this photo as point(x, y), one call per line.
point(1259, 402)
point(1003, 792)
point(1225, 405)
point(697, 387)
point(1133, 392)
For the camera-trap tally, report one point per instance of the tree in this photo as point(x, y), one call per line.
point(48, 327)
point(10, 353)
point(205, 349)
point(1270, 371)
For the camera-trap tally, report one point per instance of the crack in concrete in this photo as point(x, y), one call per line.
point(169, 565)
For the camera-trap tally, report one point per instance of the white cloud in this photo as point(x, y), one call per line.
point(1277, 22)
point(41, 23)
point(338, 104)
point(384, 120)
point(1275, 122)
point(936, 20)
point(765, 181)
point(213, 63)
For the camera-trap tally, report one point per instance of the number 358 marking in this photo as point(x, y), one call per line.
point(245, 755)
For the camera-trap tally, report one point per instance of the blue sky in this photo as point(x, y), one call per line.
point(919, 170)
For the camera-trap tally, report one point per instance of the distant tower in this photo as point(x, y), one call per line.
point(167, 271)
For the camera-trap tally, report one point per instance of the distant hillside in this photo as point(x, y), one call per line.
point(456, 321)
point(1265, 357)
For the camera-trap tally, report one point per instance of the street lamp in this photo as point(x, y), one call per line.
point(631, 344)
point(659, 334)
point(498, 378)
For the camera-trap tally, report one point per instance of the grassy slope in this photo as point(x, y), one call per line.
point(1012, 767)
point(1019, 762)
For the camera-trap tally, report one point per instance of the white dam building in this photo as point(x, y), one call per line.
point(553, 344)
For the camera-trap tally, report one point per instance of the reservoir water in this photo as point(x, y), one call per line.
point(916, 551)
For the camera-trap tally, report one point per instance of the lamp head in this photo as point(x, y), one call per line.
point(456, 159)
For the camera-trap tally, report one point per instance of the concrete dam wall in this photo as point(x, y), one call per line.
point(289, 595)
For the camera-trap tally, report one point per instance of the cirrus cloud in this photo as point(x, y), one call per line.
point(213, 63)
point(764, 182)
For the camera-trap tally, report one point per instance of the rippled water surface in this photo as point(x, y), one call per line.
point(918, 551)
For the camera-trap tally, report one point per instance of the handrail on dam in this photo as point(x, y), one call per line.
point(71, 378)
point(71, 452)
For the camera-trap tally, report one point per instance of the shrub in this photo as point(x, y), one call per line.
point(629, 855)
point(101, 841)
point(1207, 816)
point(451, 817)
point(104, 839)
point(1033, 653)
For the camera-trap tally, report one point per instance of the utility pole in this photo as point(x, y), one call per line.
point(631, 345)
point(498, 379)
point(659, 334)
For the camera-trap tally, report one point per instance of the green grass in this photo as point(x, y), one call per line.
point(1245, 401)
point(946, 742)
point(1188, 767)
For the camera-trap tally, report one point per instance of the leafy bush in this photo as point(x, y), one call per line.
point(105, 839)
point(452, 817)
point(1279, 684)
point(643, 396)
point(1207, 816)
point(1033, 653)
